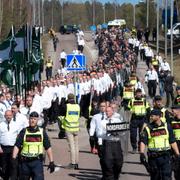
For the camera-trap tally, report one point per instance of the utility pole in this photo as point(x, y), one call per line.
point(104, 13)
point(93, 8)
point(42, 11)
point(157, 35)
point(62, 12)
point(172, 12)
point(147, 13)
point(34, 12)
point(165, 28)
point(39, 12)
point(134, 15)
point(52, 14)
point(115, 9)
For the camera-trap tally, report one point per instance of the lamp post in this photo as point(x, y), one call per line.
point(157, 35)
point(165, 28)
point(115, 9)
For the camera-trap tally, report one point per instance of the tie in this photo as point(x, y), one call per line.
point(102, 116)
point(28, 111)
point(14, 118)
point(8, 126)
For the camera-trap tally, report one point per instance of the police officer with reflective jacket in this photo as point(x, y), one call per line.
point(71, 111)
point(175, 123)
point(139, 107)
point(157, 105)
point(177, 99)
point(159, 139)
point(29, 145)
point(112, 156)
point(128, 93)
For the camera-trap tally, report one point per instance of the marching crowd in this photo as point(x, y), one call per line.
point(95, 94)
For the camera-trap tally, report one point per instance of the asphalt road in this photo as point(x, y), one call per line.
point(89, 163)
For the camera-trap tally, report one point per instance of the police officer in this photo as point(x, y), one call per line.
point(112, 156)
point(139, 107)
point(175, 123)
point(177, 99)
point(71, 125)
point(128, 93)
point(158, 105)
point(159, 139)
point(31, 141)
point(49, 66)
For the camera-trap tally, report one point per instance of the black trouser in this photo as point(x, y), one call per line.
point(8, 171)
point(152, 88)
point(46, 117)
point(148, 60)
point(136, 125)
point(177, 165)
point(112, 159)
point(160, 167)
point(48, 72)
point(33, 168)
point(63, 62)
point(168, 95)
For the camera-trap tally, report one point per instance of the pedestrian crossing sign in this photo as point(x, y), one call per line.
point(76, 62)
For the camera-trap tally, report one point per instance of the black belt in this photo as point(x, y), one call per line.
point(158, 154)
point(27, 159)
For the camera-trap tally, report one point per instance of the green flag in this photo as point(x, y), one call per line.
point(36, 52)
point(5, 53)
point(20, 47)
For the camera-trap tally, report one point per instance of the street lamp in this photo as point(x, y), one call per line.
point(147, 13)
point(134, 15)
point(93, 9)
point(115, 9)
point(157, 33)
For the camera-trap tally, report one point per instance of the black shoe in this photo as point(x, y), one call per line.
point(76, 166)
point(71, 166)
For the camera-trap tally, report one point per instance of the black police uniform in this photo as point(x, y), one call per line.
point(32, 167)
point(112, 156)
point(159, 162)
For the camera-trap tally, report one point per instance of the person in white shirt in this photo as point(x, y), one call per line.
point(151, 78)
point(149, 54)
point(164, 66)
point(19, 118)
point(8, 100)
point(81, 44)
point(3, 107)
point(96, 129)
point(9, 130)
point(63, 57)
point(139, 85)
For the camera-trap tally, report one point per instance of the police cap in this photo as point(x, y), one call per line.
point(138, 90)
point(34, 114)
point(156, 112)
point(70, 96)
point(177, 88)
point(157, 98)
point(175, 106)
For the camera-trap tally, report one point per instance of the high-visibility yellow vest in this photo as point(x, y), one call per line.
point(138, 107)
point(133, 80)
point(128, 92)
point(49, 64)
point(90, 109)
point(176, 129)
point(158, 138)
point(33, 143)
point(155, 62)
point(71, 121)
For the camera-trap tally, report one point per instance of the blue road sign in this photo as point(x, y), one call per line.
point(76, 62)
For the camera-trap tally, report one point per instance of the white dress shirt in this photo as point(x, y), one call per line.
point(151, 75)
point(8, 137)
point(96, 126)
